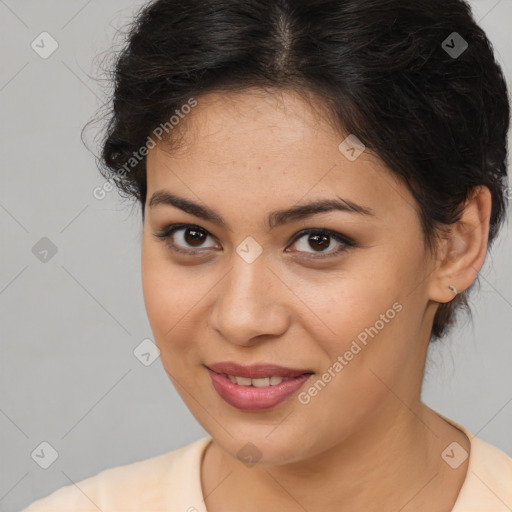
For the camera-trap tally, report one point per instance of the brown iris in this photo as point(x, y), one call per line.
point(196, 237)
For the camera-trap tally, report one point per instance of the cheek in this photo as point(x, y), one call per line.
point(369, 318)
point(368, 336)
point(344, 305)
point(174, 300)
point(365, 358)
point(154, 286)
point(165, 293)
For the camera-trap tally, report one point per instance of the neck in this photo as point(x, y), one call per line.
point(393, 462)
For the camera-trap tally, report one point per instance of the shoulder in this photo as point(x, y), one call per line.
point(488, 483)
point(155, 482)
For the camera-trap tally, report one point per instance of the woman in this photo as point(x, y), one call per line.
point(320, 183)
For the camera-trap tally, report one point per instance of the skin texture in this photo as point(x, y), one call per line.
point(365, 439)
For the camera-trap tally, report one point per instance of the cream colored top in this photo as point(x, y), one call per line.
point(172, 483)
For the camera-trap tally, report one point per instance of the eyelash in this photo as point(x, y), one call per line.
point(168, 231)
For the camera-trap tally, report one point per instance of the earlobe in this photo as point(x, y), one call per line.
point(465, 248)
point(453, 289)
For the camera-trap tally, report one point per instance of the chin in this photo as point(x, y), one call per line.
point(260, 446)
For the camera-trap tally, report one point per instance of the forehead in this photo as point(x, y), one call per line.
point(267, 147)
point(254, 114)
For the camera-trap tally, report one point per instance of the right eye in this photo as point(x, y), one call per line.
point(184, 238)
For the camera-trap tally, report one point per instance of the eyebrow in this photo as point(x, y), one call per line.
point(275, 218)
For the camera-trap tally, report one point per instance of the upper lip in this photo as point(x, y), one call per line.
point(255, 371)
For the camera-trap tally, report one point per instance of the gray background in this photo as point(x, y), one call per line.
point(69, 326)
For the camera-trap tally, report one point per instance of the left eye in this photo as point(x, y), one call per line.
point(320, 240)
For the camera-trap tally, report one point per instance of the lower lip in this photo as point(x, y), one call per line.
point(251, 398)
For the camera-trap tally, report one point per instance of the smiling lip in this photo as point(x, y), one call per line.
point(255, 371)
point(251, 398)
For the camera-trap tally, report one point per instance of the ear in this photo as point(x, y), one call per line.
point(462, 252)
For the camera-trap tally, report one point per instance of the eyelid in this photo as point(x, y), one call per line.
point(333, 234)
point(347, 242)
point(166, 233)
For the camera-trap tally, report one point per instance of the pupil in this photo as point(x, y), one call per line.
point(321, 244)
point(196, 237)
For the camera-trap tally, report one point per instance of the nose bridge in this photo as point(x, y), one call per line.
point(248, 302)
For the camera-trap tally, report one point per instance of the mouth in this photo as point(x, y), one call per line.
point(255, 371)
point(257, 387)
point(262, 382)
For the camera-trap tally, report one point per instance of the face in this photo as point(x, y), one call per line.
point(339, 294)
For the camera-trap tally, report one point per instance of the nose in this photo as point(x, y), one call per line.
point(250, 303)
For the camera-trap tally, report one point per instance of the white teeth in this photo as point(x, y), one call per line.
point(261, 383)
point(243, 381)
point(257, 383)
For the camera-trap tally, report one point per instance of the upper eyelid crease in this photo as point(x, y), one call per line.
point(339, 237)
point(172, 228)
point(276, 218)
